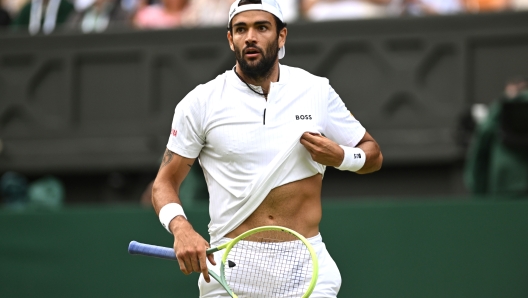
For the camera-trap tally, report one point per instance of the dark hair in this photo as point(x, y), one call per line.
point(244, 2)
point(280, 24)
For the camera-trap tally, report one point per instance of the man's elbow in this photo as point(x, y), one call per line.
point(373, 166)
point(379, 162)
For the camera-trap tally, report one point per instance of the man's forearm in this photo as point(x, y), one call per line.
point(374, 158)
point(163, 193)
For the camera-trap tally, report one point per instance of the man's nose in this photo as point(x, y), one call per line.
point(251, 36)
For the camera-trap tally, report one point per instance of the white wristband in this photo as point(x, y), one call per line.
point(354, 159)
point(168, 213)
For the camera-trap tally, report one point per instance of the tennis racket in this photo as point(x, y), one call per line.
point(269, 261)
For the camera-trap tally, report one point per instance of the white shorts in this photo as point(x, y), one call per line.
point(328, 280)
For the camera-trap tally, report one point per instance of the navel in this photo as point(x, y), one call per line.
point(270, 217)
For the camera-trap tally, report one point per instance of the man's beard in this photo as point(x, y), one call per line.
point(263, 68)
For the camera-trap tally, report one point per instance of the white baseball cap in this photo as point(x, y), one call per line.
point(271, 6)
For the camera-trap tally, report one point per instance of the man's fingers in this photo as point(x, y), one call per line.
point(183, 266)
point(203, 266)
point(188, 262)
point(310, 136)
point(308, 145)
point(322, 149)
point(211, 259)
point(305, 143)
point(190, 250)
point(195, 263)
point(198, 258)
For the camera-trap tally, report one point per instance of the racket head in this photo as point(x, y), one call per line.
point(281, 254)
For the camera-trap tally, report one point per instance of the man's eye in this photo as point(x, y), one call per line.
point(239, 30)
point(263, 28)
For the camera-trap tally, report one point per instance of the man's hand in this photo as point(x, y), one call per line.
point(190, 248)
point(322, 149)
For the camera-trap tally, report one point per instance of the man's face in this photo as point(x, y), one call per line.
point(255, 42)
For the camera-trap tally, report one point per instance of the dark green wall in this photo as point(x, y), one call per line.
point(105, 102)
point(434, 249)
point(87, 106)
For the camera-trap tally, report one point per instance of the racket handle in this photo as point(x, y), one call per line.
point(138, 248)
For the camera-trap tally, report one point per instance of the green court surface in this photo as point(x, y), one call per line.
point(384, 249)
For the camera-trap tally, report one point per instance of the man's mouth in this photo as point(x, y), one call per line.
point(252, 52)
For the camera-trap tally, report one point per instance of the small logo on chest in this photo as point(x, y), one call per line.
point(303, 117)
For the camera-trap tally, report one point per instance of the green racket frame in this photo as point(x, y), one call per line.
point(229, 245)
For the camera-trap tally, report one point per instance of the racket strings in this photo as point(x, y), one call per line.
point(269, 264)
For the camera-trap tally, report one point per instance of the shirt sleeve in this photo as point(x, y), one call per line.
point(341, 126)
point(187, 137)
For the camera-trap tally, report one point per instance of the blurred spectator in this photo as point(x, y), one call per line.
point(43, 15)
point(326, 10)
point(209, 13)
point(14, 190)
point(81, 5)
point(167, 14)
point(520, 4)
point(129, 6)
point(13, 7)
point(98, 17)
point(46, 193)
point(488, 5)
point(497, 161)
point(18, 194)
point(5, 18)
point(515, 86)
point(425, 7)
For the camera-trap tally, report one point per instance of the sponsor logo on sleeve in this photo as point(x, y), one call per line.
point(174, 132)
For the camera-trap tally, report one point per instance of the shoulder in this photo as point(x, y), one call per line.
point(299, 75)
point(207, 90)
point(301, 81)
point(202, 94)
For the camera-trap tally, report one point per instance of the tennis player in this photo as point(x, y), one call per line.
point(263, 133)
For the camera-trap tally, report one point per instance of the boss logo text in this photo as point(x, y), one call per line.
point(303, 117)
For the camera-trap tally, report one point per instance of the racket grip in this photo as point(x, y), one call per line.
point(138, 248)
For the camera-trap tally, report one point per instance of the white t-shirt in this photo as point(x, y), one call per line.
point(236, 133)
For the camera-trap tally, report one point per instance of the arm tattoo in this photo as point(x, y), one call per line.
point(167, 158)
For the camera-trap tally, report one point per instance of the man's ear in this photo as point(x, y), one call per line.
point(230, 39)
point(282, 37)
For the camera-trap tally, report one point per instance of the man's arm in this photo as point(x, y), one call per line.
point(329, 153)
point(372, 151)
point(189, 246)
